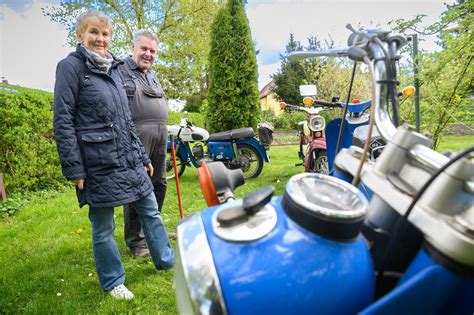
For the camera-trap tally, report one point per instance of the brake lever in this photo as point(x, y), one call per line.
point(189, 125)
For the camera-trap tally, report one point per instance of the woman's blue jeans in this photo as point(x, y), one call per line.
point(106, 255)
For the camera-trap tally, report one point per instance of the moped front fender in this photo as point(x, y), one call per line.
point(315, 146)
point(332, 133)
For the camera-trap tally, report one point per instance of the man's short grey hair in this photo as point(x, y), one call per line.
point(84, 18)
point(146, 33)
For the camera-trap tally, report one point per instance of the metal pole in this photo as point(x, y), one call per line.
point(416, 81)
point(176, 177)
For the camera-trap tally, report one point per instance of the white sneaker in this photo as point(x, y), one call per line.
point(120, 292)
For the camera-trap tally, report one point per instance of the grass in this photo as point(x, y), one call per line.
point(452, 143)
point(455, 143)
point(47, 264)
point(46, 256)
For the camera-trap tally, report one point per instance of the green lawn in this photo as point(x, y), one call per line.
point(46, 256)
point(47, 265)
point(455, 143)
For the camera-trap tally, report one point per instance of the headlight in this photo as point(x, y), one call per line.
point(198, 290)
point(317, 123)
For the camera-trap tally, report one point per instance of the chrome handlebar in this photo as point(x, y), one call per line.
point(378, 45)
point(378, 51)
point(308, 110)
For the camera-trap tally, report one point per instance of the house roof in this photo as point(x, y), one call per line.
point(267, 89)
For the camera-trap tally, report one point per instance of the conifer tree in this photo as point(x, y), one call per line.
point(290, 76)
point(233, 77)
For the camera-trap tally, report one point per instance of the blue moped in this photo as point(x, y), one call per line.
point(322, 247)
point(238, 148)
point(353, 129)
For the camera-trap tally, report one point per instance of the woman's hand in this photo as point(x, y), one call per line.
point(149, 169)
point(79, 183)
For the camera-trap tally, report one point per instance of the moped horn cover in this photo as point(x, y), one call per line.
point(325, 205)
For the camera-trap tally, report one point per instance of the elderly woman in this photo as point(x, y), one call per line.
point(101, 153)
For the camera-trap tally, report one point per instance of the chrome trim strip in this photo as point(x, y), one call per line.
point(347, 209)
point(383, 121)
point(198, 267)
point(427, 159)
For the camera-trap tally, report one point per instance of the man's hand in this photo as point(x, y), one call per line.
point(79, 183)
point(149, 169)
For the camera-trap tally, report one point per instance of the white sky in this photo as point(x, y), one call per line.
point(31, 45)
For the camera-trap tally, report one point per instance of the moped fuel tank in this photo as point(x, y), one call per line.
point(272, 264)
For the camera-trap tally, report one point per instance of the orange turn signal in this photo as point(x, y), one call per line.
point(207, 185)
point(408, 91)
point(282, 105)
point(308, 101)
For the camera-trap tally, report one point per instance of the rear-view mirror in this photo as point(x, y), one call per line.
point(308, 90)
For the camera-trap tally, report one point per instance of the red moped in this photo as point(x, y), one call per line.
point(312, 142)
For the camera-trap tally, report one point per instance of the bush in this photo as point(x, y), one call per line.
point(332, 114)
point(289, 120)
point(194, 102)
point(175, 117)
point(28, 156)
point(268, 116)
point(20, 200)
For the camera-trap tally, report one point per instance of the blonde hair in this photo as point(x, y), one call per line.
point(84, 18)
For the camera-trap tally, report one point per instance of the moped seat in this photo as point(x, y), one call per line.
point(232, 134)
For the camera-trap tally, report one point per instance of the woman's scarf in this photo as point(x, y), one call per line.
point(103, 64)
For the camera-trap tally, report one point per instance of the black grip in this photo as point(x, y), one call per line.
point(327, 104)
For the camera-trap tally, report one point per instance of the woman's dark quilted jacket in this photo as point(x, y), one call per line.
point(95, 135)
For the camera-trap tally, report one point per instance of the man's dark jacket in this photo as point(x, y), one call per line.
point(95, 135)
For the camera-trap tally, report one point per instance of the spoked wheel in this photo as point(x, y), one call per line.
point(251, 163)
point(180, 164)
point(319, 162)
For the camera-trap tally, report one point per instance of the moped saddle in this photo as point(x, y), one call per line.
point(232, 134)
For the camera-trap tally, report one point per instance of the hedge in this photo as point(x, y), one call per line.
point(174, 118)
point(28, 157)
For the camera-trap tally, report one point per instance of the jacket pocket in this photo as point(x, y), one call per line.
point(152, 92)
point(100, 150)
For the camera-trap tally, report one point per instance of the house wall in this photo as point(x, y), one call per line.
point(269, 102)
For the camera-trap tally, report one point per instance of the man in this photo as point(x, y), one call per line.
point(149, 108)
